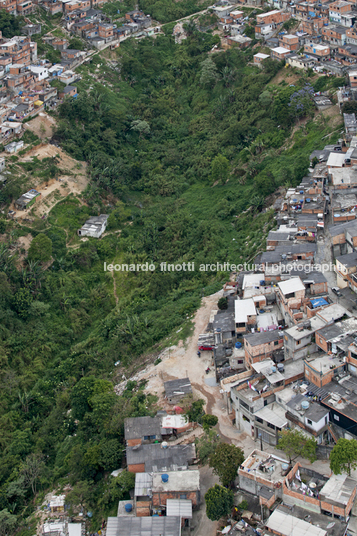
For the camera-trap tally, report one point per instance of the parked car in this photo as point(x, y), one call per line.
point(337, 291)
point(203, 348)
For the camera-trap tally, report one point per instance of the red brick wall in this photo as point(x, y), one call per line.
point(321, 343)
point(136, 468)
point(319, 288)
point(142, 508)
point(133, 442)
point(160, 498)
point(350, 359)
point(339, 239)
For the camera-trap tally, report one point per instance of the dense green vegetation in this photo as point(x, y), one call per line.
point(9, 24)
point(168, 10)
point(117, 9)
point(183, 149)
point(160, 10)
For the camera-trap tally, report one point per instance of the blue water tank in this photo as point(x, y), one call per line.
point(128, 507)
point(165, 477)
point(238, 345)
point(305, 404)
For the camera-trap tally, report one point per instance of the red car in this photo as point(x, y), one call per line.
point(205, 348)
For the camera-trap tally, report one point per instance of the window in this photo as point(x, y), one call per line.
point(258, 419)
point(183, 496)
point(244, 405)
point(245, 418)
point(240, 361)
point(309, 422)
point(271, 425)
point(276, 343)
point(265, 402)
point(336, 417)
point(298, 342)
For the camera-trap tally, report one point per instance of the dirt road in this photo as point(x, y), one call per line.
point(181, 361)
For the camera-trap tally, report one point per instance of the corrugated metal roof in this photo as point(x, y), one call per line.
point(175, 387)
point(143, 485)
point(179, 507)
point(274, 414)
point(288, 525)
point(144, 526)
point(138, 427)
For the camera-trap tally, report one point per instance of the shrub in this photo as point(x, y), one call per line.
point(209, 420)
point(223, 303)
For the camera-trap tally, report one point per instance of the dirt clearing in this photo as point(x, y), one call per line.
point(24, 242)
point(181, 361)
point(43, 126)
point(333, 115)
point(73, 180)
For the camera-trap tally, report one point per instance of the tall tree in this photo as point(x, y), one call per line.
point(206, 445)
point(32, 468)
point(81, 494)
point(294, 443)
point(343, 457)
point(8, 523)
point(209, 73)
point(219, 502)
point(225, 462)
point(220, 168)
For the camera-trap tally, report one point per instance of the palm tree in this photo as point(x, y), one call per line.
point(227, 75)
point(6, 260)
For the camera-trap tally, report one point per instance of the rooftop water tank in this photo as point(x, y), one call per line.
point(238, 344)
point(165, 477)
point(273, 369)
point(128, 507)
point(305, 404)
point(285, 466)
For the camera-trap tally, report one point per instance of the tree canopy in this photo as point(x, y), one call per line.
point(294, 443)
point(220, 168)
point(343, 457)
point(219, 502)
point(225, 461)
point(9, 24)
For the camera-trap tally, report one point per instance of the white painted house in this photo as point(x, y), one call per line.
point(94, 226)
point(39, 71)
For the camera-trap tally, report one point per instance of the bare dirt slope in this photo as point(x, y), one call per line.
point(73, 180)
point(43, 126)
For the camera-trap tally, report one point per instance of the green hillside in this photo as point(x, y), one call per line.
point(183, 147)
